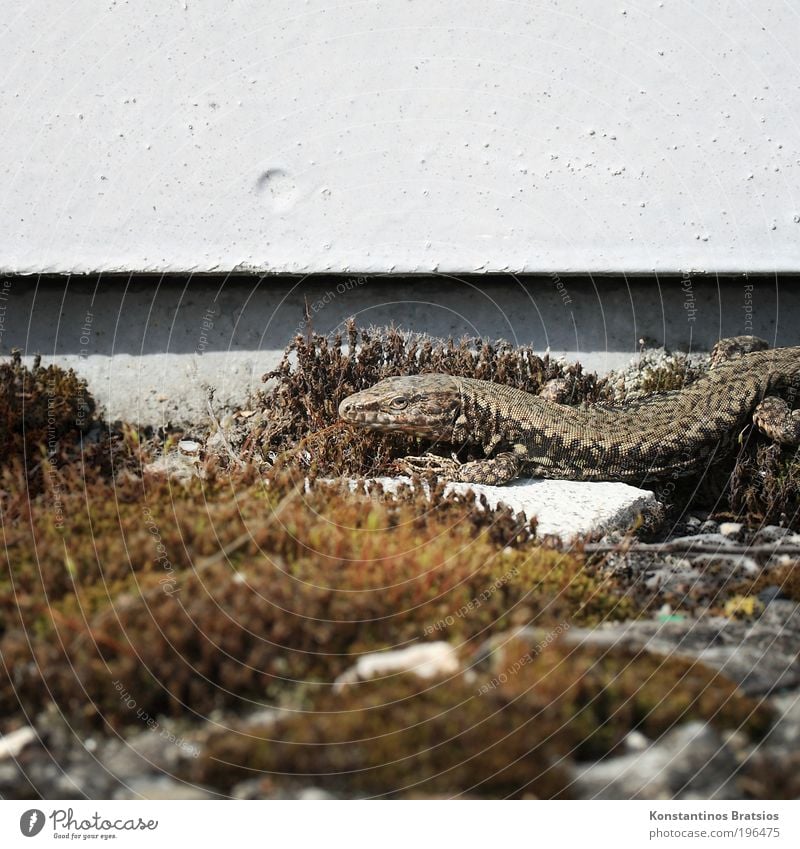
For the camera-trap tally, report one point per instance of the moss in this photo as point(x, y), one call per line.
point(39, 407)
point(229, 590)
point(499, 736)
point(316, 373)
point(785, 578)
point(245, 587)
point(772, 774)
point(765, 484)
point(674, 374)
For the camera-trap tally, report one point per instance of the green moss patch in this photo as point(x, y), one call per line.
point(497, 735)
point(230, 590)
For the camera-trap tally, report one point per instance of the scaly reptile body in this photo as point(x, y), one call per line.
point(671, 434)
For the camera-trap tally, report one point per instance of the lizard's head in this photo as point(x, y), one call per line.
point(424, 405)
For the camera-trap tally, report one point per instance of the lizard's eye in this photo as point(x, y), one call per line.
point(399, 403)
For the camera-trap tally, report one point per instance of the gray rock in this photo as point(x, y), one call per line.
point(785, 733)
point(698, 580)
point(760, 655)
point(689, 762)
point(61, 764)
point(705, 539)
point(770, 533)
point(770, 594)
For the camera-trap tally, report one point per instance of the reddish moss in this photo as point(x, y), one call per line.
point(39, 407)
point(765, 484)
point(226, 590)
point(317, 373)
point(504, 734)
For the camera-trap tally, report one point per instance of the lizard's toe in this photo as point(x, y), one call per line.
point(429, 464)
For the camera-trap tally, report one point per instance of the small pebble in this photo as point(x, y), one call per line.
point(635, 741)
point(314, 794)
point(189, 446)
point(732, 530)
point(14, 742)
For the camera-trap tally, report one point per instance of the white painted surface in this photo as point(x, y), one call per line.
point(566, 509)
point(460, 135)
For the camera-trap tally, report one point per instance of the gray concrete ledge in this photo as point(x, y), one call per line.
point(152, 347)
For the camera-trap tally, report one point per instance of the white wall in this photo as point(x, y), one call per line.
point(405, 135)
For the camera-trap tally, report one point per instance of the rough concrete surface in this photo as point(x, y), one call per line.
point(399, 136)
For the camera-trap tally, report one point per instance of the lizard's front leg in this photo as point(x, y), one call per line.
point(495, 471)
point(775, 419)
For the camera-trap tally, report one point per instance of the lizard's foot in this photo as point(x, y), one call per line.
point(774, 418)
point(430, 464)
point(736, 346)
point(494, 471)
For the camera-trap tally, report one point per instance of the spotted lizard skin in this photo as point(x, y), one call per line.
point(666, 435)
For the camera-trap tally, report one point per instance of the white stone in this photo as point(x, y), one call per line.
point(562, 508)
point(427, 660)
point(12, 744)
point(635, 741)
point(732, 530)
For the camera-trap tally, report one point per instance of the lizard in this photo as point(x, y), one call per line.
point(668, 434)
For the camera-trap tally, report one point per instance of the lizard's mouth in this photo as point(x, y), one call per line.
point(388, 423)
